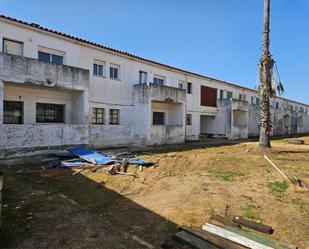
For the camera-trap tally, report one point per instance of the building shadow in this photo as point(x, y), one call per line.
point(53, 209)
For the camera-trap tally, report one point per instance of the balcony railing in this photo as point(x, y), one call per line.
point(20, 69)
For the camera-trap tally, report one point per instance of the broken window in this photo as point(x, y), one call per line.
point(114, 72)
point(12, 47)
point(189, 119)
point(158, 118)
point(242, 97)
point(97, 115)
point(229, 95)
point(189, 88)
point(208, 96)
point(49, 113)
point(114, 116)
point(48, 57)
point(12, 112)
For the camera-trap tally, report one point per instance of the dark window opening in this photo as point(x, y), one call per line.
point(42, 56)
point(49, 113)
point(142, 77)
point(113, 73)
point(158, 118)
point(13, 112)
point(97, 69)
point(158, 81)
point(189, 119)
point(114, 116)
point(97, 115)
point(189, 88)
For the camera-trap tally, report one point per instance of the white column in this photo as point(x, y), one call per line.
point(1, 101)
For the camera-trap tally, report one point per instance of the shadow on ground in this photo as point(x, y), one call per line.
point(53, 209)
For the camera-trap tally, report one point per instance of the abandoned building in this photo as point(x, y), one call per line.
point(60, 90)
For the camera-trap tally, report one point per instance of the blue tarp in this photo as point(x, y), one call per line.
point(89, 155)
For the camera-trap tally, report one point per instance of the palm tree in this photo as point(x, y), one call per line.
point(265, 87)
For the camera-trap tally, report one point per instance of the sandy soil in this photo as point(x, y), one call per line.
point(52, 209)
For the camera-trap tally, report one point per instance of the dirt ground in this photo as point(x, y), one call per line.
point(52, 209)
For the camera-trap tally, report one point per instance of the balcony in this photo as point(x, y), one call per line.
point(24, 70)
point(154, 92)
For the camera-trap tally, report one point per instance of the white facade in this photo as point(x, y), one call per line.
point(93, 76)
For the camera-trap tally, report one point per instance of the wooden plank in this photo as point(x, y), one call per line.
point(260, 238)
point(193, 241)
point(280, 172)
point(234, 237)
point(253, 225)
point(212, 238)
point(173, 244)
point(225, 221)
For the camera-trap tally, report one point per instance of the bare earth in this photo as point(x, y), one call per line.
point(52, 209)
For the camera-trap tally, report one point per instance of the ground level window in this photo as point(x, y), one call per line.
point(12, 112)
point(189, 119)
point(158, 118)
point(49, 113)
point(114, 116)
point(97, 115)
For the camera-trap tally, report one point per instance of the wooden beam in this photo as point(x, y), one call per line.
point(225, 221)
point(193, 241)
point(212, 238)
point(280, 172)
point(253, 225)
point(234, 237)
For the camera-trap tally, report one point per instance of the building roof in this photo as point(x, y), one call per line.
point(37, 26)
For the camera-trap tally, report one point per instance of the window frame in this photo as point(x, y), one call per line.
point(95, 116)
point(158, 78)
point(57, 120)
point(189, 115)
point(140, 77)
point(96, 72)
point(161, 119)
point(51, 56)
point(12, 40)
point(189, 88)
point(111, 122)
point(112, 69)
point(21, 117)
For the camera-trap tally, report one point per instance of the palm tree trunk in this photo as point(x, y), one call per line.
point(265, 88)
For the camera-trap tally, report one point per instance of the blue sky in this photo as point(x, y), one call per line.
point(217, 38)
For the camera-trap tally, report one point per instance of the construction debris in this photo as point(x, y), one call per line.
point(280, 172)
point(226, 237)
point(296, 141)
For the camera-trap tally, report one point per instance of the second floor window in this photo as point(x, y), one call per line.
point(189, 119)
point(142, 77)
point(189, 88)
point(98, 69)
point(158, 80)
point(114, 72)
point(43, 56)
point(180, 85)
point(12, 47)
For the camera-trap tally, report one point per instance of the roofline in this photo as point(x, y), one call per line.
point(37, 27)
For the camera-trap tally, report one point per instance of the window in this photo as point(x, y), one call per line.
point(221, 94)
point(43, 56)
point(189, 88)
point(142, 77)
point(257, 101)
point(158, 80)
point(242, 97)
point(189, 119)
point(12, 112)
point(114, 116)
point(97, 115)
point(208, 96)
point(49, 113)
point(158, 118)
point(229, 95)
point(114, 72)
point(12, 47)
point(180, 84)
point(252, 100)
point(98, 69)
point(277, 105)
point(301, 109)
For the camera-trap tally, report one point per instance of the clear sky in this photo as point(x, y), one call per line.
point(216, 38)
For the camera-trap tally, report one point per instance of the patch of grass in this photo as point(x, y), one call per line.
point(277, 186)
point(250, 211)
point(226, 175)
point(298, 202)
